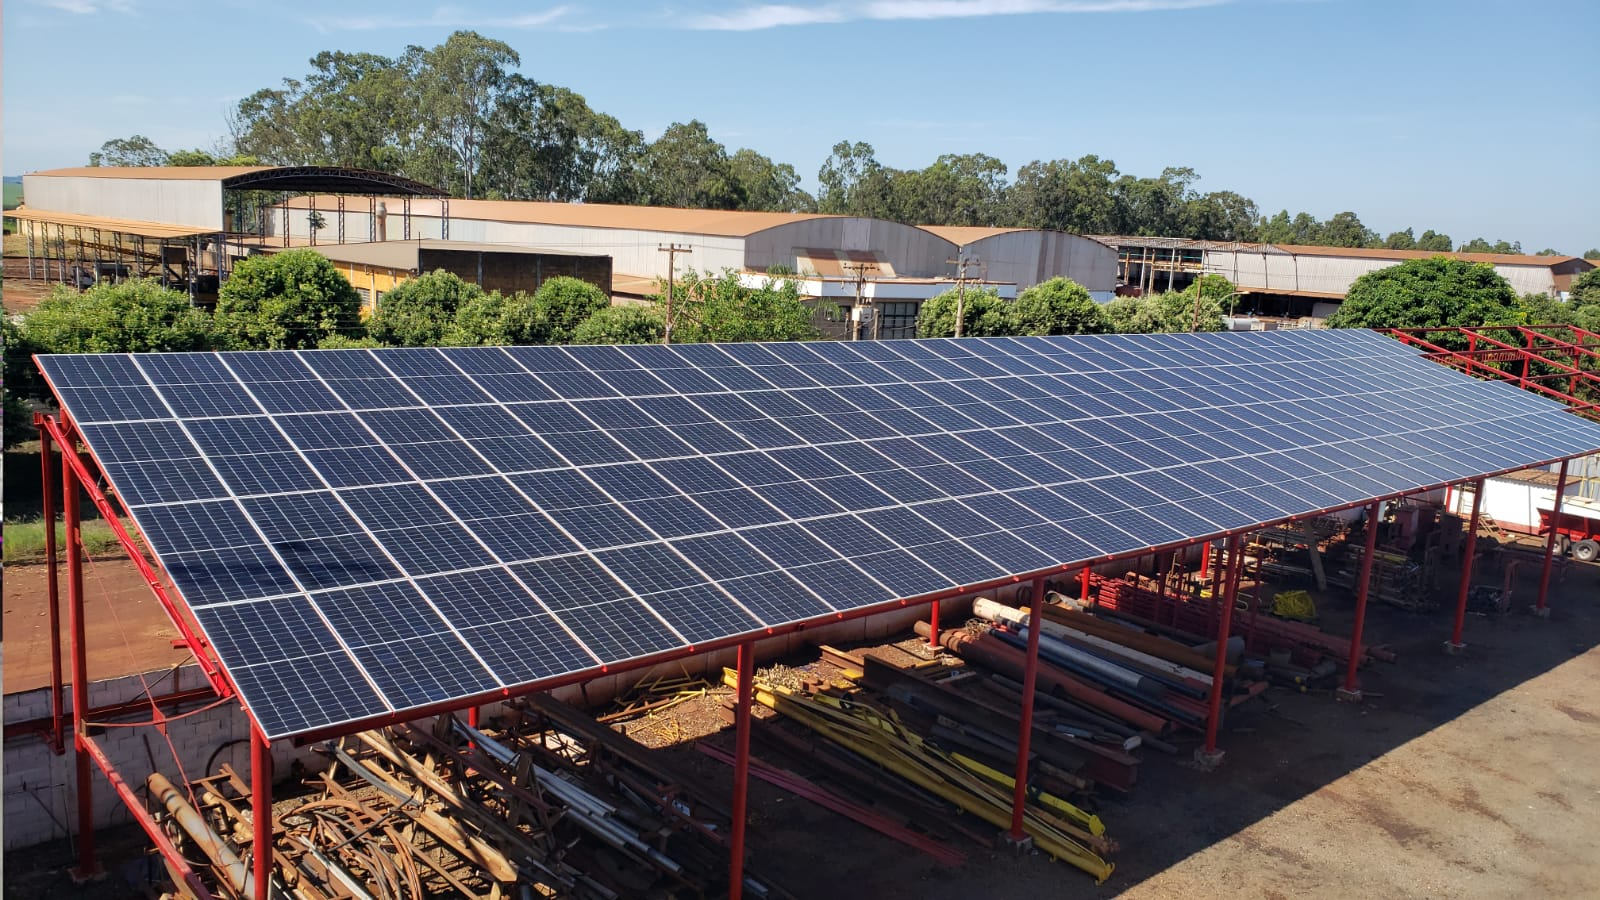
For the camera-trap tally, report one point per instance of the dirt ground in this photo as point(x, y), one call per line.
point(1458, 776)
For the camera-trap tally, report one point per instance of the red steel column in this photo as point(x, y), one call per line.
point(1219, 669)
point(1030, 677)
point(261, 811)
point(1455, 644)
point(1542, 606)
point(1205, 561)
point(741, 769)
point(933, 625)
point(87, 867)
point(1362, 584)
point(1085, 597)
point(52, 589)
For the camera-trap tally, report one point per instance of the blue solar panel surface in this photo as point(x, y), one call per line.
point(362, 532)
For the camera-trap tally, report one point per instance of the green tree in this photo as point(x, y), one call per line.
point(1592, 253)
point(286, 301)
point(1169, 312)
point(137, 150)
point(421, 311)
point(1434, 242)
point(686, 168)
point(1425, 293)
point(983, 314)
point(1543, 309)
point(1058, 306)
point(1401, 240)
point(493, 318)
point(1345, 230)
point(1479, 245)
point(458, 87)
point(1065, 195)
point(723, 309)
point(1549, 251)
point(852, 182)
point(630, 324)
point(564, 302)
point(129, 317)
point(768, 186)
point(1220, 216)
point(1585, 290)
point(958, 189)
point(544, 142)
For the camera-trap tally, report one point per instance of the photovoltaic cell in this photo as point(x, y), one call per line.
point(363, 532)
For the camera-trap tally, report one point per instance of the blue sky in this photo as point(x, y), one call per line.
point(1472, 118)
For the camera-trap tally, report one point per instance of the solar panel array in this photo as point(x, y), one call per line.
point(364, 532)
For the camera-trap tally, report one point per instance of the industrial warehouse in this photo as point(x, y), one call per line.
point(442, 619)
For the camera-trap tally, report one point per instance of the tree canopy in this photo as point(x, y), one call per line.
point(709, 308)
point(983, 314)
point(286, 301)
point(1058, 306)
point(631, 324)
point(420, 311)
point(1425, 293)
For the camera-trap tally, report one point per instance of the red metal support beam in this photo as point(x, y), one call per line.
point(741, 769)
point(175, 860)
point(1542, 605)
point(1455, 645)
point(1210, 755)
point(1030, 679)
point(88, 866)
point(261, 812)
point(1351, 691)
point(57, 735)
point(933, 625)
point(103, 714)
point(196, 642)
point(1084, 580)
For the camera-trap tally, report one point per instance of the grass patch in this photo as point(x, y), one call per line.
point(24, 541)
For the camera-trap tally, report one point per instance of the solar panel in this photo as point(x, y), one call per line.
point(367, 532)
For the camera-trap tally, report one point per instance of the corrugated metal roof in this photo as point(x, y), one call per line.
point(715, 222)
point(962, 235)
point(119, 226)
point(1493, 259)
point(405, 254)
point(164, 173)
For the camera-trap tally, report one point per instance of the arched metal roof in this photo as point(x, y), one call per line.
point(292, 179)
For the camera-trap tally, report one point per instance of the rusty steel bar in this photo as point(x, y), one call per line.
point(741, 769)
point(1030, 680)
point(58, 735)
point(1466, 567)
point(1219, 669)
point(1363, 583)
point(261, 812)
point(1543, 602)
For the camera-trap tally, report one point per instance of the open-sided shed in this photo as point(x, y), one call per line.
point(365, 537)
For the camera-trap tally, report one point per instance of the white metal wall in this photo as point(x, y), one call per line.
point(632, 251)
point(1029, 257)
point(1278, 271)
point(192, 203)
point(913, 252)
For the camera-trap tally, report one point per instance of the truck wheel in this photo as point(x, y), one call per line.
point(1587, 551)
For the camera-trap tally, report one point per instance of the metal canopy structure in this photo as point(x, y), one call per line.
point(369, 536)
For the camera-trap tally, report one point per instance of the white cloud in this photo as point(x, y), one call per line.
point(88, 7)
point(443, 17)
point(756, 18)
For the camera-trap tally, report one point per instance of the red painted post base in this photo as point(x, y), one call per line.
point(1454, 649)
point(1205, 761)
point(79, 876)
point(1541, 612)
point(1344, 695)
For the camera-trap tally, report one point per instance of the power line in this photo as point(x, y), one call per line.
point(672, 251)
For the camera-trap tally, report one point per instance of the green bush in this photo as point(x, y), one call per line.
point(421, 312)
point(565, 302)
point(287, 301)
point(1058, 306)
point(495, 319)
point(632, 324)
point(983, 314)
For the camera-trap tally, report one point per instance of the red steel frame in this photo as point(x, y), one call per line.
point(75, 475)
point(1561, 347)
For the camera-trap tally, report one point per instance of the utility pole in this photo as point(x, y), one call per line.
point(859, 270)
point(672, 251)
point(961, 263)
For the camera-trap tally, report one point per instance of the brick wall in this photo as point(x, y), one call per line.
point(512, 272)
